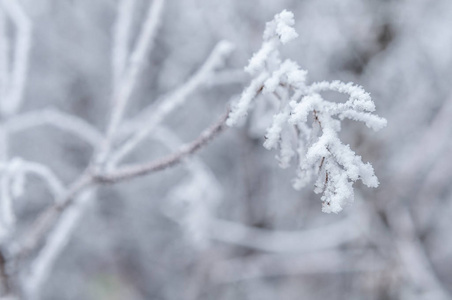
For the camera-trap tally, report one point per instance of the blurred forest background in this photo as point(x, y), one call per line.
point(227, 224)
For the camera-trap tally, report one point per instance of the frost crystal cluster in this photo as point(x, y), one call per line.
point(305, 127)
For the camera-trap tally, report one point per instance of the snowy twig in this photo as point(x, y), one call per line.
point(56, 241)
point(191, 202)
point(309, 240)
point(91, 176)
point(335, 164)
point(7, 213)
point(121, 39)
point(4, 55)
point(436, 135)
point(174, 100)
point(321, 153)
point(129, 172)
point(45, 220)
point(429, 194)
point(274, 265)
point(19, 167)
point(136, 62)
point(56, 118)
point(65, 206)
point(4, 277)
point(414, 258)
point(22, 45)
point(230, 76)
point(4, 144)
point(219, 78)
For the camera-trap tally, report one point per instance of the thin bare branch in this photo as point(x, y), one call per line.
point(174, 100)
point(21, 55)
point(121, 35)
point(234, 76)
point(56, 241)
point(8, 217)
point(135, 66)
point(129, 172)
point(47, 219)
point(194, 165)
point(4, 144)
point(58, 119)
point(55, 185)
point(4, 278)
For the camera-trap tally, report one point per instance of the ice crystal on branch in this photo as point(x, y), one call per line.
point(306, 125)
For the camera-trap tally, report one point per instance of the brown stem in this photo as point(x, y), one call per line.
point(129, 172)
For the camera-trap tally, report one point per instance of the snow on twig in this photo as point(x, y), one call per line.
point(18, 74)
point(306, 124)
point(121, 36)
point(56, 241)
point(174, 100)
point(129, 172)
point(57, 119)
point(135, 65)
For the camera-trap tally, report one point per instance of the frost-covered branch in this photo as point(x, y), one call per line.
point(56, 242)
point(229, 76)
point(174, 100)
point(8, 217)
point(436, 137)
point(18, 74)
point(91, 177)
point(191, 203)
point(4, 144)
point(18, 169)
point(12, 185)
point(410, 247)
point(276, 265)
point(219, 78)
point(121, 39)
point(135, 66)
point(412, 254)
point(46, 220)
point(66, 201)
point(69, 207)
point(307, 125)
point(57, 119)
point(129, 172)
point(309, 240)
point(4, 54)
